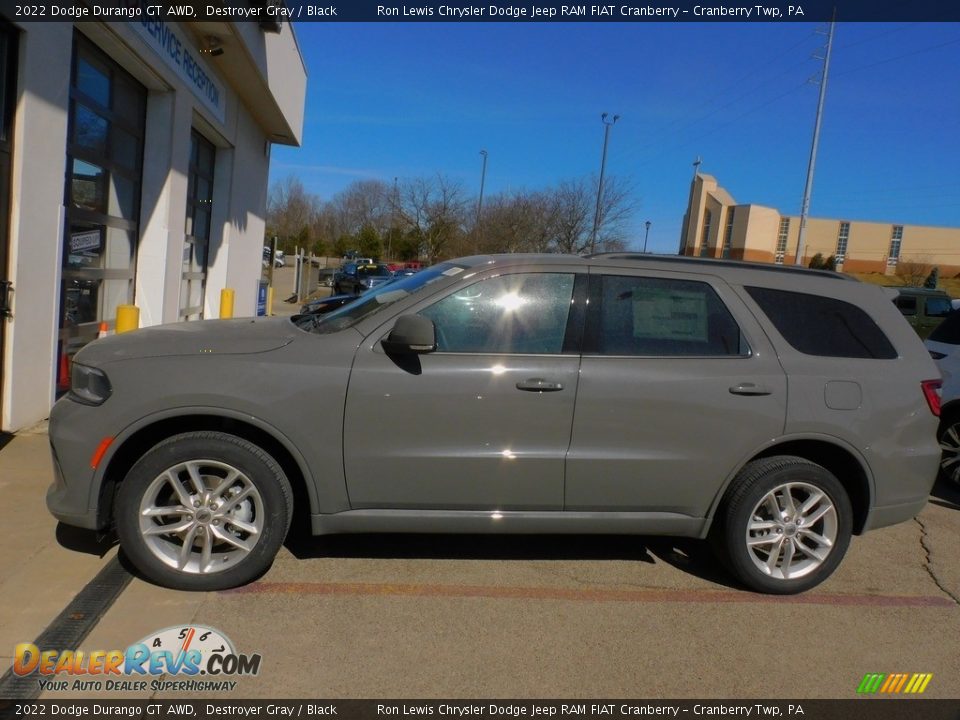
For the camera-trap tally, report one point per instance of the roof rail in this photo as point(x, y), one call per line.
point(741, 264)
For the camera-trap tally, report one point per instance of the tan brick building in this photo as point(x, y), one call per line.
point(715, 225)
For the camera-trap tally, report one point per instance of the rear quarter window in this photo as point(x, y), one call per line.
point(824, 326)
point(938, 306)
point(948, 331)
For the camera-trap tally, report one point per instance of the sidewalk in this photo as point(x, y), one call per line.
point(43, 564)
point(42, 567)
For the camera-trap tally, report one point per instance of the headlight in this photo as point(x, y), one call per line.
point(88, 385)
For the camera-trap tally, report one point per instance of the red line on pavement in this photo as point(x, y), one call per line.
point(585, 594)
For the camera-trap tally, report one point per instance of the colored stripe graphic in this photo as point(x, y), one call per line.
point(894, 683)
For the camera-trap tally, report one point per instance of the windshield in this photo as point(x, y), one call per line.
point(375, 300)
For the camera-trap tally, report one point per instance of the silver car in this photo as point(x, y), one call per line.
point(774, 411)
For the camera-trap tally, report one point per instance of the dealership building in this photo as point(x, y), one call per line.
point(715, 225)
point(134, 162)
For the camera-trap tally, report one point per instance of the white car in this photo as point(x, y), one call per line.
point(278, 261)
point(944, 347)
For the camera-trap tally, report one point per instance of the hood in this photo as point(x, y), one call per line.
point(202, 337)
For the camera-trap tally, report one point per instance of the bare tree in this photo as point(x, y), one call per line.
point(914, 270)
point(572, 213)
point(519, 222)
point(290, 211)
point(433, 214)
point(434, 210)
point(617, 206)
point(364, 204)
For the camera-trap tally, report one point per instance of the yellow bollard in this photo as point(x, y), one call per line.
point(270, 300)
point(226, 303)
point(128, 318)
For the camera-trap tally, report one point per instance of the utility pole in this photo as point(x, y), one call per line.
point(393, 220)
point(808, 188)
point(483, 178)
point(603, 165)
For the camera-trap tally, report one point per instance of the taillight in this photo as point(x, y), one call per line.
point(931, 391)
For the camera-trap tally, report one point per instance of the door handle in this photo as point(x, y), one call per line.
point(539, 385)
point(748, 388)
point(5, 287)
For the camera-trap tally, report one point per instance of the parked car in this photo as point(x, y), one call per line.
point(278, 261)
point(944, 346)
point(923, 308)
point(322, 306)
point(356, 278)
point(487, 395)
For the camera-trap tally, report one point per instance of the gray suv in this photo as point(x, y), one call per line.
point(774, 411)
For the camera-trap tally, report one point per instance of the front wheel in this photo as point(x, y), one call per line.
point(203, 511)
point(784, 526)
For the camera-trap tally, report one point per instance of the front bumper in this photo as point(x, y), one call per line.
point(73, 437)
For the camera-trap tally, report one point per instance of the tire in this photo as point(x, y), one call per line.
point(203, 485)
point(948, 435)
point(755, 519)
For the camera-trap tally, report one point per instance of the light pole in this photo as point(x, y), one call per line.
point(808, 187)
point(646, 235)
point(393, 221)
point(483, 177)
point(603, 165)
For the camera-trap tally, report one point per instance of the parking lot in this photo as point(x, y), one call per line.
point(498, 617)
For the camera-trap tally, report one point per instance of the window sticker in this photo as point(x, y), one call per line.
point(668, 314)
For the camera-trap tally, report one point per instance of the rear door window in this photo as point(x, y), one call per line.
point(659, 317)
point(825, 326)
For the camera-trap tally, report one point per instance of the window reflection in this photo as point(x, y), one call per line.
point(87, 186)
point(524, 314)
point(89, 129)
point(93, 80)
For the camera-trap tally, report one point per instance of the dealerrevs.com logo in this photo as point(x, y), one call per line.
point(201, 658)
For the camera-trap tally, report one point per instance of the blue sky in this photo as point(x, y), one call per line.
point(388, 100)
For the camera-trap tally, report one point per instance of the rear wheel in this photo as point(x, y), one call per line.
point(203, 511)
point(784, 526)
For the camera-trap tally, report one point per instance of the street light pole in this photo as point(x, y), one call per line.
point(646, 235)
point(808, 187)
point(603, 166)
point(483, 178)
point(393, 220)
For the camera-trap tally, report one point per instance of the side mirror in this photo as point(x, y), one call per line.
point(412, 334)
